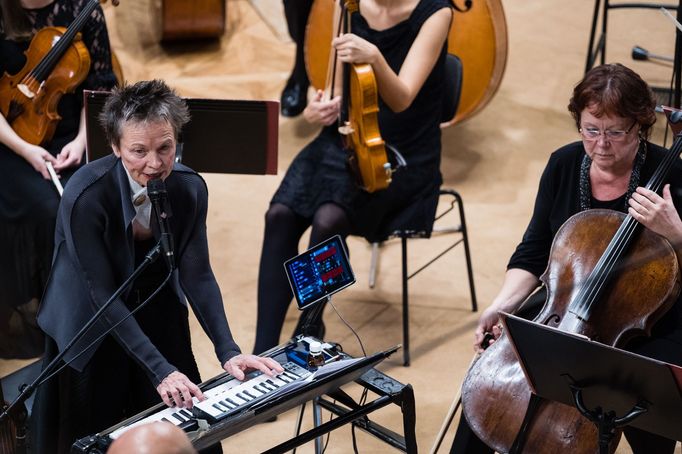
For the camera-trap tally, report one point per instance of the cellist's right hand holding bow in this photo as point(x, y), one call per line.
point(321, 111)
point(488, 329)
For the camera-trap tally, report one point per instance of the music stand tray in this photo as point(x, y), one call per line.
point(557, 363)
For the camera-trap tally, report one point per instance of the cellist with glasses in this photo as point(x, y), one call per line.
point(607, 167)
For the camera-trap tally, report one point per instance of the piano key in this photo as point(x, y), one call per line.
point(249, 394)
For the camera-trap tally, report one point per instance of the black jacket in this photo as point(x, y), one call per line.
point(94, 254)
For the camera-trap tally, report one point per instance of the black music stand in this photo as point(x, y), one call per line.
point(609, 386)
point(222, 136)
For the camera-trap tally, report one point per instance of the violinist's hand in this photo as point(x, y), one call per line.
point(657, 213)
point(322, 112)
point(71, 155)
point(37, 156)
point(177, 390)
point(238, 365)
point(489, 323)
point(352, 49)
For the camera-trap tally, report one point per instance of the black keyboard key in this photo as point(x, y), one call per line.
point(186, 413)
point(178, 417)
point(249, 394)
point(270, 382)
point(232, 402)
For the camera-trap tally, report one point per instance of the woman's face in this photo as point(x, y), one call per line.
point(610, 141)
point(147, 150)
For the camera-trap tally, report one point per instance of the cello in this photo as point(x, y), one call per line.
point(57, 61)
point(607, 278)
point(478, 36)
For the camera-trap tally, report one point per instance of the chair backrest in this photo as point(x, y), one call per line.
point(453, 86)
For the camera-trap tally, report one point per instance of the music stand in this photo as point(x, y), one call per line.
point(222, 136)
point(611, 387)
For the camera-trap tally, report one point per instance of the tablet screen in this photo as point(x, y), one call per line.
point(319, 272)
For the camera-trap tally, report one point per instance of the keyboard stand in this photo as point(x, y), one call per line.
point(347, 410)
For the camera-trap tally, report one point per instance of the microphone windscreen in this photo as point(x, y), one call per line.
point(156, 188)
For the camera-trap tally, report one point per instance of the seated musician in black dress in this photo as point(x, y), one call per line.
point(405, 43)
point(613, 109)
point(28, 199)
point(104, 229)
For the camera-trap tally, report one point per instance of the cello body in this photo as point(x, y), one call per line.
point(645, 284)
point(477, 36)
point(30, 105)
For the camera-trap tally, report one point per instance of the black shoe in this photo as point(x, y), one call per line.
point(294, 98)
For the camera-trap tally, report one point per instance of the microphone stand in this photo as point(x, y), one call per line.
point(27, 390)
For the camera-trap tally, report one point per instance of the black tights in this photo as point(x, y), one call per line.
point(283, 230)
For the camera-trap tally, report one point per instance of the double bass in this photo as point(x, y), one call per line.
point(196, 19)
point(57, 61)
point(478, 36)
point(607, 278)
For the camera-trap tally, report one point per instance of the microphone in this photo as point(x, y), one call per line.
point(156, 190)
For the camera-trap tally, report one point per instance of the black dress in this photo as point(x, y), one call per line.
point(319, 173)
point(28, 203)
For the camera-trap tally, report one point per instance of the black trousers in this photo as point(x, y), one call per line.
point(297, 12)
point(112, 387)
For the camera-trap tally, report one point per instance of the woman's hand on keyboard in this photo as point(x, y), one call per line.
point(238, 365)
point(177, 390)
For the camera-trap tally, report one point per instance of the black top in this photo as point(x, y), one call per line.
point(415, 132)
point(95, 253)
point(558, 199)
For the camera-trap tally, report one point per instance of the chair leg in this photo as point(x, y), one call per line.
point(467, 253)
point(406, 315)
point(373, 265)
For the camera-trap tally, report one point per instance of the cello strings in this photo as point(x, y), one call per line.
point(599, 276)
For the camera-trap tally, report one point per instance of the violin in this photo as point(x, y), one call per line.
point(478, 36)
point(57, 61)
point(607, 278)
point(367, 151)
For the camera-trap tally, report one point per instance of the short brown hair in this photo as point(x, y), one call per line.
point(615, 89)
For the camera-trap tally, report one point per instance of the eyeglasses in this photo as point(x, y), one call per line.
point(592, 134)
